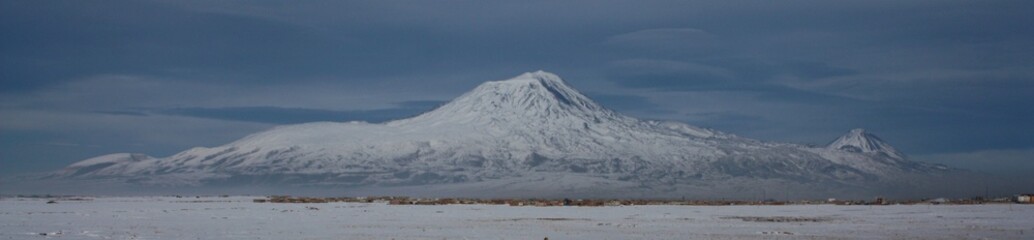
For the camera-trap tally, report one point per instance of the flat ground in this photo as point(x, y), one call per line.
point(239, 218)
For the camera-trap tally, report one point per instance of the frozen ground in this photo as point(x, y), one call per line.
point(239, 218)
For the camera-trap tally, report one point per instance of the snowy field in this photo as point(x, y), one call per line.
point(239, 218)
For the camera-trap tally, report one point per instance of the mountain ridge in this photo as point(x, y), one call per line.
point(509, 133)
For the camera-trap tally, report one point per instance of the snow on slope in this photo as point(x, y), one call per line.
point(523, 127)
point(239, 218)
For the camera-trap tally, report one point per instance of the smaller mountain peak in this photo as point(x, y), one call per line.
point(861, 141)
point(537, 76)
point(858, 133)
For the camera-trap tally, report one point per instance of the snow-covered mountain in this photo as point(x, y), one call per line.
point(531, 133)
point(857, 140)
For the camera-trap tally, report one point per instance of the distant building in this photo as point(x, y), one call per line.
point(880, 201)
point(938, 200)
point(1025, 198)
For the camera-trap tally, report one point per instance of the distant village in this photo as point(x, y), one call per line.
point(401, 200)
point(396, 200)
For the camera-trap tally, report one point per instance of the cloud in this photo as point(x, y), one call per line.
point(124, 113)
point(627, 103)
point(763, 80)
point(666, 41)
point(657, 66)
point(1009, 168)
point(121, 92)
point(674, 76)
point(926, 84)
point(728, 120)
point(1004, 162)
point(62, 41)
point(27, 137)
point(114, 91)
point(279, 115)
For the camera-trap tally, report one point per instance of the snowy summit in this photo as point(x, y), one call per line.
point(532, 134)
point(857, 140)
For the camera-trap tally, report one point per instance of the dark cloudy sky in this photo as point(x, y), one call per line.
point(944, 81)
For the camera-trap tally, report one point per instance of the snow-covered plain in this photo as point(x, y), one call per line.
point(240, 218)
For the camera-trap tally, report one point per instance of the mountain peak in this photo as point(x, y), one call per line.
point(534, 95)
point(859, 140)
point(533, 80)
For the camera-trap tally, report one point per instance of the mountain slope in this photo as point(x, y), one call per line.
point(506, 134)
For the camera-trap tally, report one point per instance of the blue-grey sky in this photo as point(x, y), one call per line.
point(943, 81)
